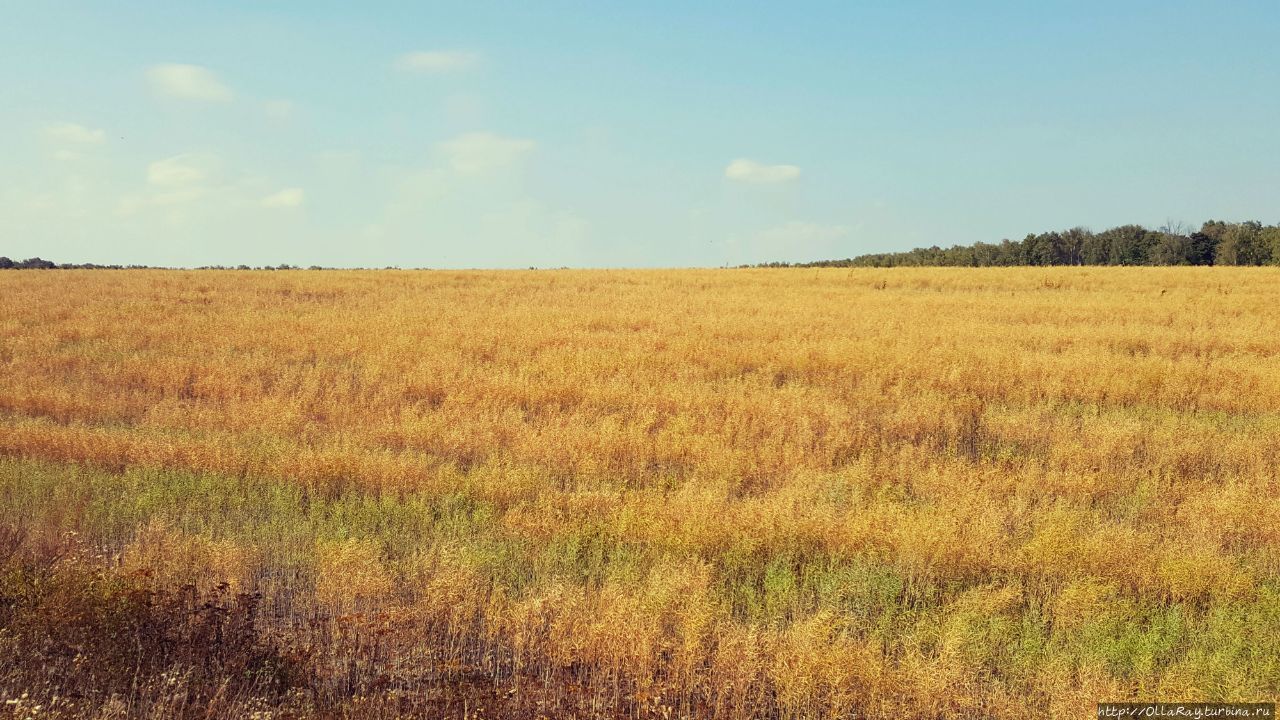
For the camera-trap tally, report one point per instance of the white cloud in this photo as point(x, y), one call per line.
point(745, 170)
point(189, 188)
point(188, 82)
point(181, 170)
point(73, 134)
point(432, 62)
point(477, 153)
point(287, 198)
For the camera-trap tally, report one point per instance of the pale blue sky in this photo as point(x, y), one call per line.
point(637, 134)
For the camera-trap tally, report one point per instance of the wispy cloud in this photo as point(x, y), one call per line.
point(188, 82)
point(181, 170)
point(801, 234)
point(793, 240)
point(744, 170)
point(287, 198)
point(279, 110)
point(176, 185)
point(477, 153)
point(69, 133)
point(434, 62)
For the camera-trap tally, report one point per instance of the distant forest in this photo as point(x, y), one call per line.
point(1215, 243)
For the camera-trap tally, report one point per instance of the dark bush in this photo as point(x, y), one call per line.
point(36, 263)
point(74, 628)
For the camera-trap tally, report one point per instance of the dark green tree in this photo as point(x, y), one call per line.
point(1096, 249)
point(1271, 241)
point(1203, 249)
point(1242, 244)
point(1130, 245)
point(1171, 249)
point(1073, 242)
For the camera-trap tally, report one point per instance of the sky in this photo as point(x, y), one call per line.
point(655, 134)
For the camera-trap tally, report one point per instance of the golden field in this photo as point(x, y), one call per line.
point(898, 493)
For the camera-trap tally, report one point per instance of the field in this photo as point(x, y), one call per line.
point(904, 493)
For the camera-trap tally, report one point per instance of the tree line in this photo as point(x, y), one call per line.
point(37, 263)
point(1215, 243)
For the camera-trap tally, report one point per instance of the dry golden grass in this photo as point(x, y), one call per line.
point(750, 493)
